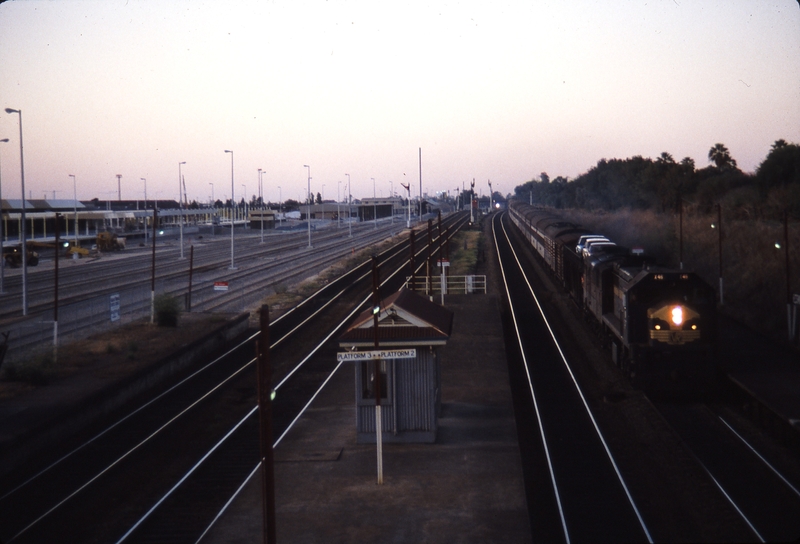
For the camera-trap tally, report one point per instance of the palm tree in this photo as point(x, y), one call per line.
point(721, 157)
point(665, 158)
point(779, 144)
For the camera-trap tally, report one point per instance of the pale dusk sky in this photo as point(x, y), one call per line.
point(491, 91)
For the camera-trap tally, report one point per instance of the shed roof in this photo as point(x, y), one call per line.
point(406, 318)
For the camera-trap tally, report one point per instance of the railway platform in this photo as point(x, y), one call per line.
point(767, 376)
point(465, 487)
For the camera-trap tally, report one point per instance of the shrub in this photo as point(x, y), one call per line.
point(34, 372)
point(167, 309)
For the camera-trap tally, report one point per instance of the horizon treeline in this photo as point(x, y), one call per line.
point(659, 184)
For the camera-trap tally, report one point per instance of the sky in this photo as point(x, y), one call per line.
point(498, 91)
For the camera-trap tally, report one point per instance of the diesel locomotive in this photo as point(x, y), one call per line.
point(660, 322)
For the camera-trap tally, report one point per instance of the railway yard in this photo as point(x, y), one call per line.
point(150, 434)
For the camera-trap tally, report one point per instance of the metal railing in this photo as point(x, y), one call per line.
point(454, 285)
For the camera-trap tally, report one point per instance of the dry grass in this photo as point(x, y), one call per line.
point(753, 270)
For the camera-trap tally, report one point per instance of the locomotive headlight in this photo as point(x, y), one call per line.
point(677, 315)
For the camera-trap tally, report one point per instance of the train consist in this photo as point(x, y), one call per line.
point(660, 322)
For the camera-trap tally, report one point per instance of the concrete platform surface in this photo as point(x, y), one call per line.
point(466, 487)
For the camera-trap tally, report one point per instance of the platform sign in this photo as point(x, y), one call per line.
point(220, 286)
point(443, 263)
point(355, 356)
point(113, 306)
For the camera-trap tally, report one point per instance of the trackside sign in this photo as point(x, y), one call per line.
point(345, 356)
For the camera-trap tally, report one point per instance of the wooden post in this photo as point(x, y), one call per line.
point(153, 271)
point(55, 291)
point(376, 306)
point(264, 379)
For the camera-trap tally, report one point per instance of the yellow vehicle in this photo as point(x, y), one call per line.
point(108, 241)
point(74, 249)
point(13, 257)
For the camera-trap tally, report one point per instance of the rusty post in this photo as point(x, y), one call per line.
point(264, 379)
point(55, 290)
point(413, 285)
point(191, 270)
point(430, 256)
point(376, 305)
point(153, 271)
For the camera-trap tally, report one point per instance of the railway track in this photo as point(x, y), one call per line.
point(696, 468)
point(162, 470)
point(83, 304)
point(581, 492)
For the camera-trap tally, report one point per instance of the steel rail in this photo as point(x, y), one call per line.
point(395, 249)
point(364, 303)
point(577, 387)
point(763, 460)
point(530, 387)
point(319, 345)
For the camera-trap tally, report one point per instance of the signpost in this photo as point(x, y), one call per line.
point(357, 356)
point(113, 306)
point(443, 264)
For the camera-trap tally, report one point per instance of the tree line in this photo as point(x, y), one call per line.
point(661, 184)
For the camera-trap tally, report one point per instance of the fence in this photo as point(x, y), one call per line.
point(454, 285)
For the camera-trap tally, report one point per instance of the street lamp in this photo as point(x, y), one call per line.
point(2, 235)
point(261, 202)
point(718, 226)
point(180, 205)
point(75, 206)
point(22, 226)
point(244, 199)
point(349, 211)
point(791, 302)
point(213, 207)
point(145, 207)
point(308, 204)
point(231, 152)
point(374, 204)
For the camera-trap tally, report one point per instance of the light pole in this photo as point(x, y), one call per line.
point(233, 267)
point(391, 198)
point(280, 205)
point(338, 200)
point(244, 199)
point(213, 207)
point(408, 205)
point(349, 212)
point(308, 205)
point(374, 204)
point(75, 206)
point(261, 203)
point(180, 205)
point(119, 187)
point(22, 225)
point(719, 231)
point(791, 307)
point(145, 207)
point(2, 235)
